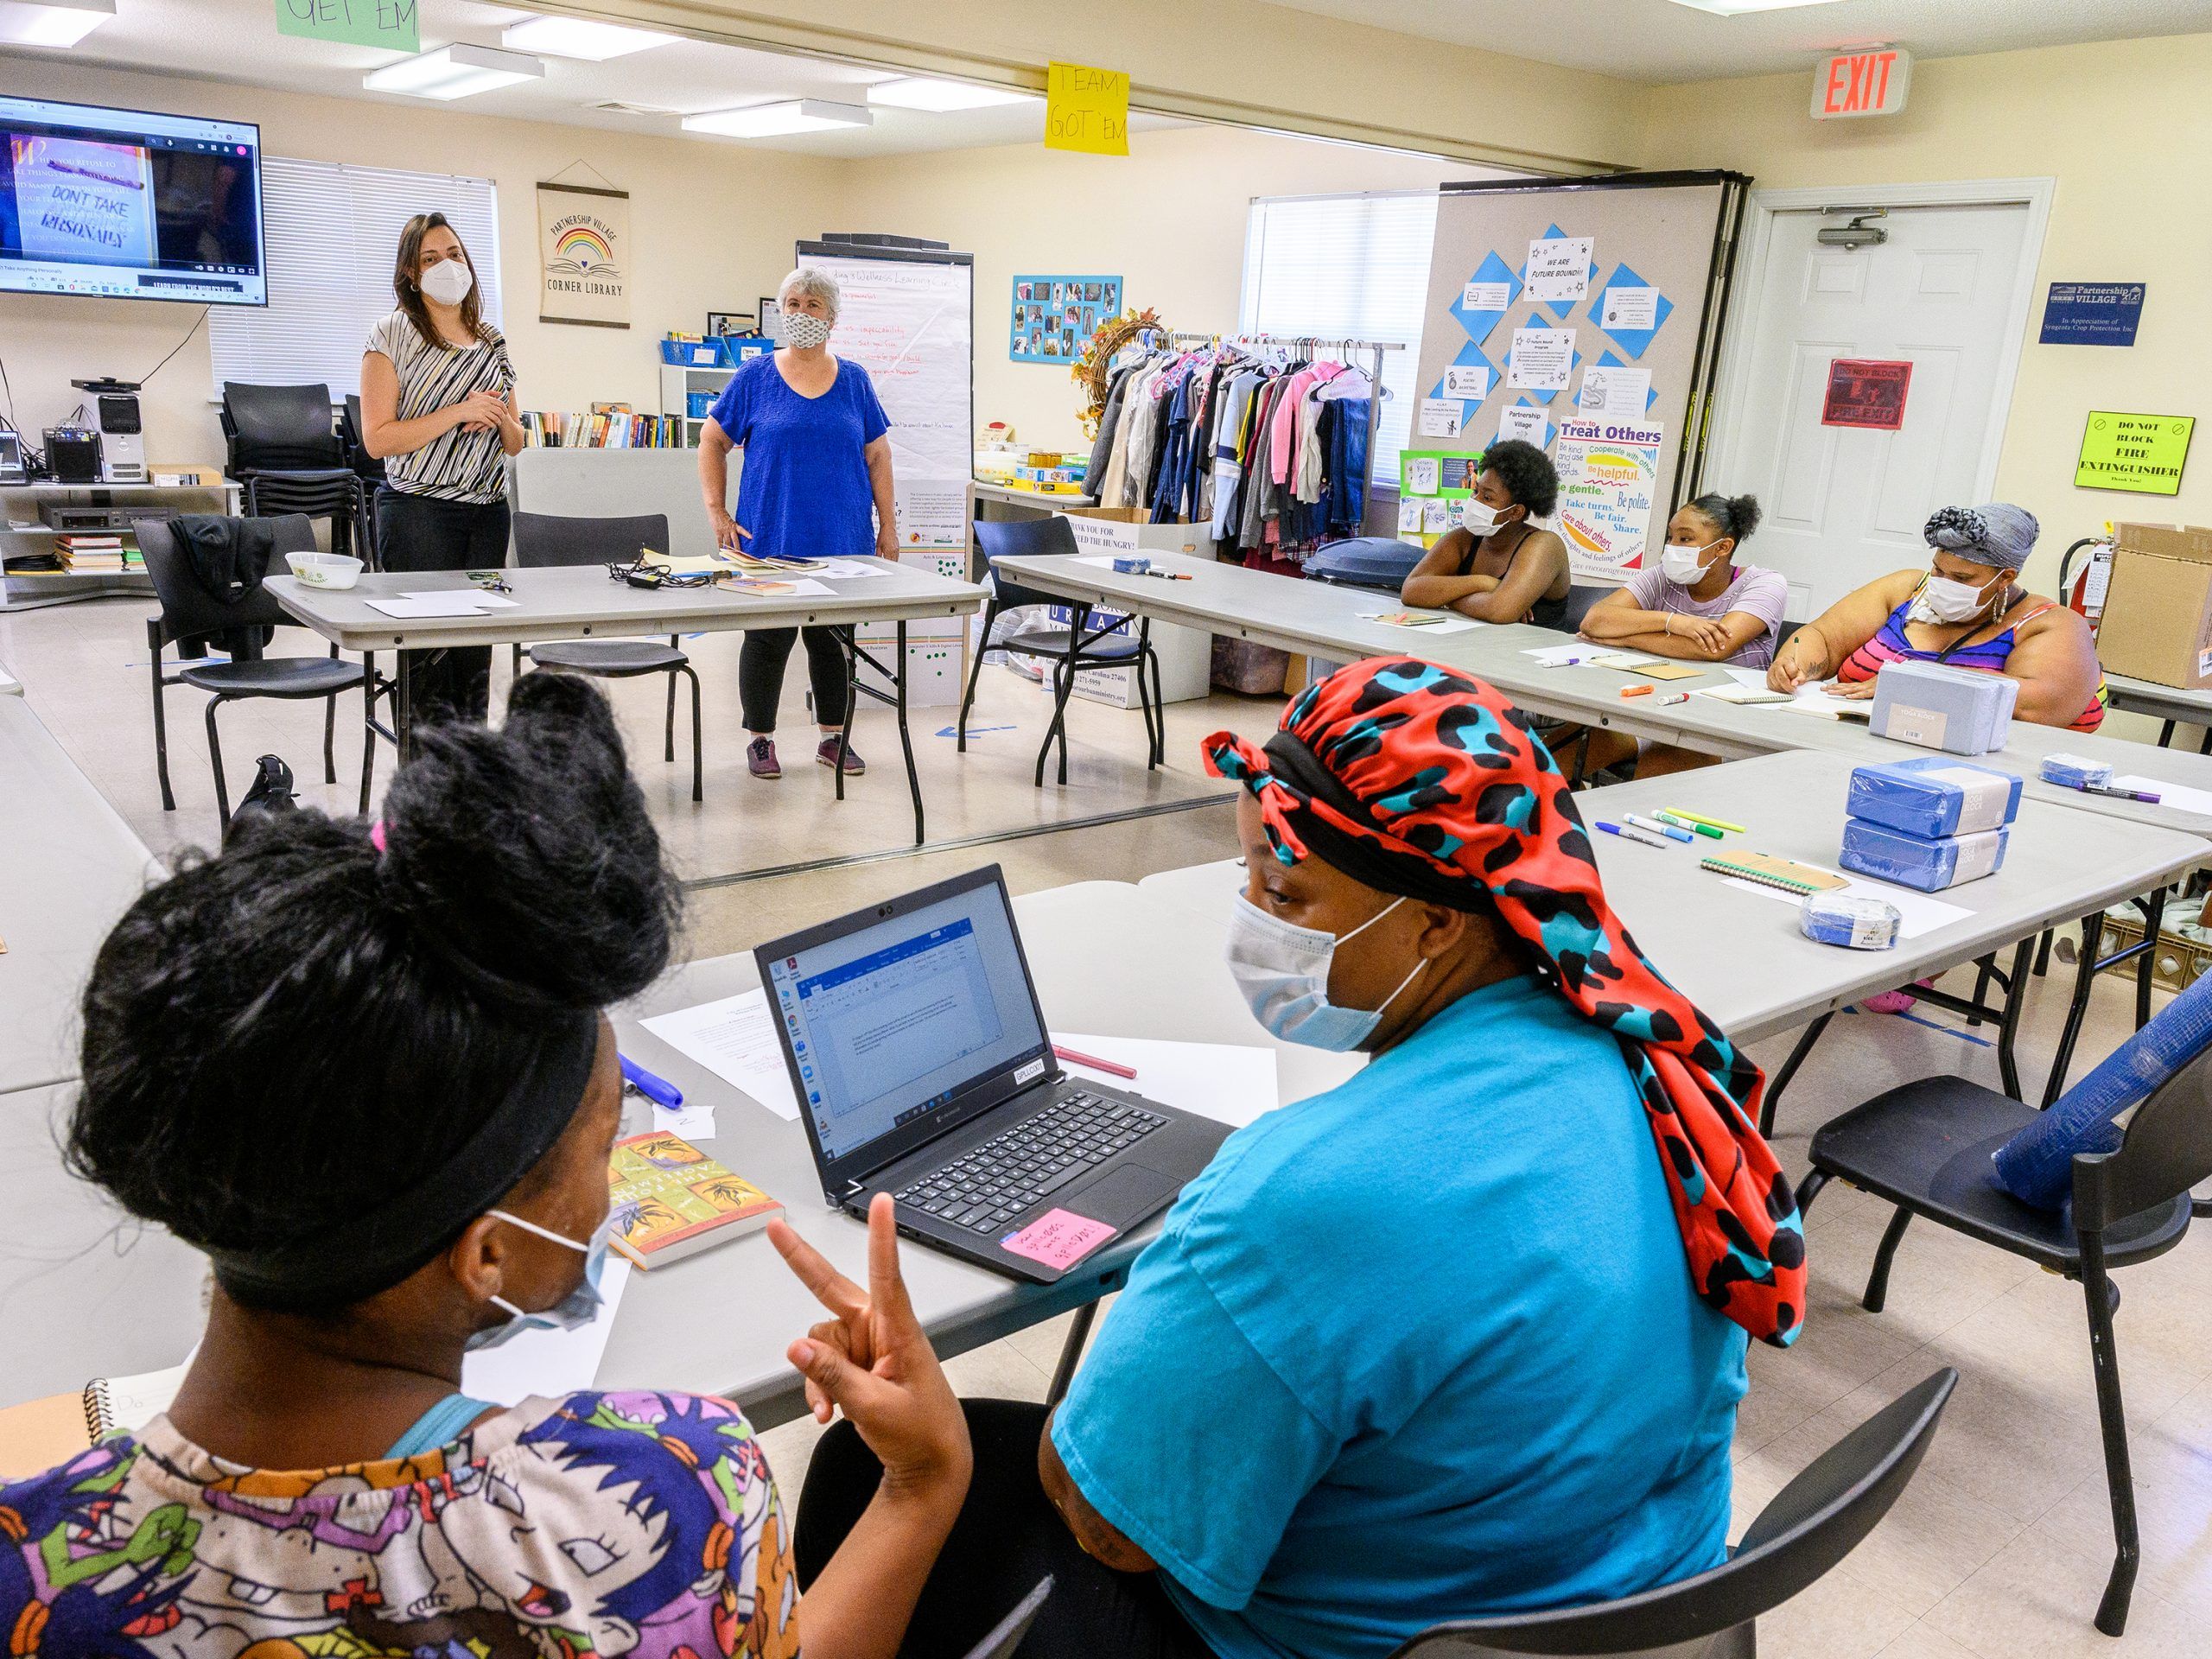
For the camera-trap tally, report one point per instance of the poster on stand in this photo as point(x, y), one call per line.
point(908, 319)
point(583, 253)
point(1608, 485)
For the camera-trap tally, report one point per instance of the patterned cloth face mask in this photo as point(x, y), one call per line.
point(806, 332)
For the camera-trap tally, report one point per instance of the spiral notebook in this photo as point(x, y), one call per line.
point(40, 1433)
point(114, 1402)
point(1769, 870)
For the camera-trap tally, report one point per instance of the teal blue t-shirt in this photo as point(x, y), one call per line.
point(1424, 1347)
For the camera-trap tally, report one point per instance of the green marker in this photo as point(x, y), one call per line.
point(1688, 823)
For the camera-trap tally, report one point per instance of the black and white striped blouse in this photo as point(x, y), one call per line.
point(457, 465)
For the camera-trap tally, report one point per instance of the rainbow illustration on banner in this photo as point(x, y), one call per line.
point(583, 247)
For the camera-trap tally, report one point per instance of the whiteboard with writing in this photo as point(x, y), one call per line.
point(909, 322)
point(85, 202)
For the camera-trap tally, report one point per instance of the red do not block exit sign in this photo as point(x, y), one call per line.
point(1869, 82)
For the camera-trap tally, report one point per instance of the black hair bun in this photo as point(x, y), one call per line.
point(1744, 515)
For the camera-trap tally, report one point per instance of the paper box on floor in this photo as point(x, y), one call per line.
point(1929, 797)
point(1185, 654)
point(1958, 710)
point(2157, 616)
point(1931, 864)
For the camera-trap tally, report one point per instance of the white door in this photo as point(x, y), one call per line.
point(1845, 504)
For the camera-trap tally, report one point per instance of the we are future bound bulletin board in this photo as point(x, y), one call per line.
point(1053, 316)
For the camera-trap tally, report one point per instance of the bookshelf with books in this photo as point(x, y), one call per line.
point(600, 428)
point(60, 543)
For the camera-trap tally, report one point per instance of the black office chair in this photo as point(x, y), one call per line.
point(1071, 649)
point(1580, 596)
point(188, 612)
point(288, 456)
point(1006, 1635)
point(544, 538)
point(1815, 1521)
point(367, 467)
point(1925, 1146)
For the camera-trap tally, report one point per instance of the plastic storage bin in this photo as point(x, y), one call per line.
point(692, 353)
point(1931, 796)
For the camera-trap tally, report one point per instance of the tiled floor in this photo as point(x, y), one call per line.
point(1997, 1550)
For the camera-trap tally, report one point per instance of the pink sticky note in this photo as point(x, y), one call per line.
point(1060, 1238)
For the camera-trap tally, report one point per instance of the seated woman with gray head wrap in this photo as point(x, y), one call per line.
point(1968, 608)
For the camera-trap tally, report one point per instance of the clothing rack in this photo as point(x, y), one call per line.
point(1309, 345)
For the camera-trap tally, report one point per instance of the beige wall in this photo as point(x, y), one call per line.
point(2122, 128)
point(1169, 220)
point(710, 236)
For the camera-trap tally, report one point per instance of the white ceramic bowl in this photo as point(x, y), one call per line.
point(324, 569)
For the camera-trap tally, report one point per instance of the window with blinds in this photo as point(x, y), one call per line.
point(332, 230)
point(1354, 266)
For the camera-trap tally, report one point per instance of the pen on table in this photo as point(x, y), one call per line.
point(658, 1090)
point(1700, 817)
point(1166, 576)
point(1682, 822)
point(1673, 832)
point(1635, 690)
point(1671, 697)
point(1112, 1069)
point(2119, 794)
point(1631, 832)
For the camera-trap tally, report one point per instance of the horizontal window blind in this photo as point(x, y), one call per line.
point(1354, 266)
point(332, 231)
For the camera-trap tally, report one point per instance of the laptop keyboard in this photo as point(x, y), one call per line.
point(1033, 1160)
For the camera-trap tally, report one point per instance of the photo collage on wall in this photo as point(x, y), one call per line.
point(1055, 316)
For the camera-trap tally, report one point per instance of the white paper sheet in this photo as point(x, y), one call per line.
point(1230, 1083)
point(1579, 651)
point(2173, 795)
point(1409, 513)
point(1486, 296)
point(850, 569)
point(1558, 268)
point(1814, 702)
point(1918, 912)
point(1754, 677)
point(476, 596)
point(735, 1039)
point(1467, 380)
point(1439, 417)
point(1435, 515)
point(1522, 421)
point(1607, 391)
point(798, 585)
point(469, 604)
point(548, 1363)
point(1541, 358)
point(692, 1123)
point(1443, 622)
point(1420, 477)
point(1631, 310)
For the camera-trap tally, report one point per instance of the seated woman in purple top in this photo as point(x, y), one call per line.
point(1697, 604)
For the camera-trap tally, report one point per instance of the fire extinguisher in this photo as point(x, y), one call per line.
point(2082, 589)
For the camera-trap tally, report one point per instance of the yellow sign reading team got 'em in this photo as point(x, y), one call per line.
point(1087, 109)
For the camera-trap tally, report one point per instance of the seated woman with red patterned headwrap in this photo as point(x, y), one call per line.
point(1463, 1335)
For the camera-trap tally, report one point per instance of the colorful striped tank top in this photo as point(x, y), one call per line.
point(1889, 645)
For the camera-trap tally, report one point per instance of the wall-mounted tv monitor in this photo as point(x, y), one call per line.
point(120, 204)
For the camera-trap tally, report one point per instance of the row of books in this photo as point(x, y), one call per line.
point(602, 429)
point(79, 556)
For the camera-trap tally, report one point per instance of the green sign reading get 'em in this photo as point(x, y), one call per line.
point(389, 23)
point(2141, 453)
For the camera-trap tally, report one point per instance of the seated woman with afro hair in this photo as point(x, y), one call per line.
point(1498, 567)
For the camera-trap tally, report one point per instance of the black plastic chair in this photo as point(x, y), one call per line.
point(1925, 1146)
point(288, 457)
point(1813, 1523)
point(189, 612)
point(1071, 649)
point(544, 538)
point(1580, 596)
point(367, 467)
point(1006, 1635)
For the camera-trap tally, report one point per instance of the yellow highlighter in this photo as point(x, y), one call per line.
point(1700, 817)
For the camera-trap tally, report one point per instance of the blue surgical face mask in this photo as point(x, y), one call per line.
point(579, 1308)
point(1283, 970)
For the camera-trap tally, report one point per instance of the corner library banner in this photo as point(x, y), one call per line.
point(583, 255)
point(1582, 316)
point(909, 319)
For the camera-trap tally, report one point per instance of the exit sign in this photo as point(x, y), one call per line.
point(1851, 84)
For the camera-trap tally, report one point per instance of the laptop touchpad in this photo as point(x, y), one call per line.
point(1125, 1195)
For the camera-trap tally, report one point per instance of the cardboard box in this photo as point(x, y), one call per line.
point(2157, 617)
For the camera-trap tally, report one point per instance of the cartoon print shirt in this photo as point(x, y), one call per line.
point(597, 1524)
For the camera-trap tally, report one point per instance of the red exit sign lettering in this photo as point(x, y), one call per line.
point(1870, 82)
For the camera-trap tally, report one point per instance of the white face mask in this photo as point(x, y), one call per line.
point(1942, 600)
point(579, 1308)
point(1479, 517)
point(806, 332)
point(448, 280)
point(1283, 970)
point(1683, 566)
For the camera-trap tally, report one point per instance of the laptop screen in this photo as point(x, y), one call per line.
point(896, 1019)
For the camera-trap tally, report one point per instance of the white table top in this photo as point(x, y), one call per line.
point(582, 602)
point(1739, 954)
point(69, 867)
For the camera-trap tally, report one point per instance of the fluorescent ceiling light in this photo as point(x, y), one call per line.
point(580, 37)
point(457, 71)
point(928, 92)
point(777, 120)
point(1738, 8)
point(51, 23)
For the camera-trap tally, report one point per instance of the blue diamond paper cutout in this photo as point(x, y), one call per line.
point(1559, 310)
point(1633, 341)
point(1480, 324)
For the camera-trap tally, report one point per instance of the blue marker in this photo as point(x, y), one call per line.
point(1658, 828)
point(1632, 833)
point(659, 1090)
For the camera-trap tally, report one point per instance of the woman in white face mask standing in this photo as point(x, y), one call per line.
point(438, 407)
point(1498, 566)
point(1969, 609)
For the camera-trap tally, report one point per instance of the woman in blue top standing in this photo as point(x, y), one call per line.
point(816, 464)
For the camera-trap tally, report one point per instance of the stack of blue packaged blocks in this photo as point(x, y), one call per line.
point(1930, 823)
